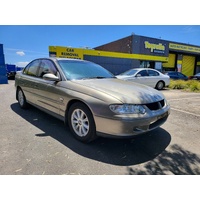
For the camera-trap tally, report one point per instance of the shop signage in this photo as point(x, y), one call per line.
point(65, 52)
point(150, 46)
point(71, 53)
point(184, 47)
point(155, 48)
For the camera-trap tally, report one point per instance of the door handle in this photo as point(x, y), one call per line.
point(61, 99)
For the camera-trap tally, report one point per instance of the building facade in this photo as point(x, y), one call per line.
point(138, 51)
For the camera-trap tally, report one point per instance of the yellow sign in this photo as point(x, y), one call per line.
point(77, 53)
point(66, 52)
point(184, 47)
point(154, 46)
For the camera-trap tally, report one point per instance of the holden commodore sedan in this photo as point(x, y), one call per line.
point(146, 76)
point(90, 99)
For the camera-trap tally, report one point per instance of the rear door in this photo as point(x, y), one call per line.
point(141, 77)
point(28, 81)
point(153, 78)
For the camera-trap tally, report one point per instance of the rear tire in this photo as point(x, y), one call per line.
point(160, 85)
point(21, 99)
point(81, 122)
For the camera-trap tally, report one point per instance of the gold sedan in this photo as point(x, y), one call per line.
point(90, 99)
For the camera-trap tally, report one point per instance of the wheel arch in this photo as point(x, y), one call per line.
point(159, 82)
point(73, 101)
point(17, 88)
point(90, 134)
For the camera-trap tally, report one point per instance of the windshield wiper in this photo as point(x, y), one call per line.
point(100, 77)
point(96, 77)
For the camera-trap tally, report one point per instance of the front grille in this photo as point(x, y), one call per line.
point(156, 105)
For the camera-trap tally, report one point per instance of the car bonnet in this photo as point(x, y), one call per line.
point(124, 91)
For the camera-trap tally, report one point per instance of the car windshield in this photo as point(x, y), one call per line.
point(130, 72)
point(75, 69)
point(198, 74)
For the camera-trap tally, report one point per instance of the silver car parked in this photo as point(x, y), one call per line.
point(90, 99)
point(146, 76)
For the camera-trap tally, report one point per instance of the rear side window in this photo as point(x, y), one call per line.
point(181, 75)
point(153, 73)
point(32, 68)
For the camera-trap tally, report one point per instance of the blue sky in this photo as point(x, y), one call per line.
point(27, 29)
point(23, 43)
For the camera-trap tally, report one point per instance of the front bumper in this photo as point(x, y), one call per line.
point(126, 127)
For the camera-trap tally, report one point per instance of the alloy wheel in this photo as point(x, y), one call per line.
point(80, 122)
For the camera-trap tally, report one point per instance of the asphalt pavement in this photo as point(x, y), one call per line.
point(34, 143)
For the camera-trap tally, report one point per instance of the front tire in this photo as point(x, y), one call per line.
point(81, 122)
point(21, 99)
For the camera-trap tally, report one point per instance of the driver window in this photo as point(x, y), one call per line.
point(47, 67)
point(142, 73)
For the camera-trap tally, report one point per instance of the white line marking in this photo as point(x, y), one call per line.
point(183, 98)
point(185, 112)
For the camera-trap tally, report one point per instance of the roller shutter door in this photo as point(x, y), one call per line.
point(171, 61)
point(188, 65)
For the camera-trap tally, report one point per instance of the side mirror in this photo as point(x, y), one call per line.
point(50, 77)
point(138, 75)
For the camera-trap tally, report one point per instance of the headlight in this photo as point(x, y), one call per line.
point(127, 109)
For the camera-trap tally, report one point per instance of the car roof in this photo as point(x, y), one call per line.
point(56, 59)
point(143, 69)
point(170, 72)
